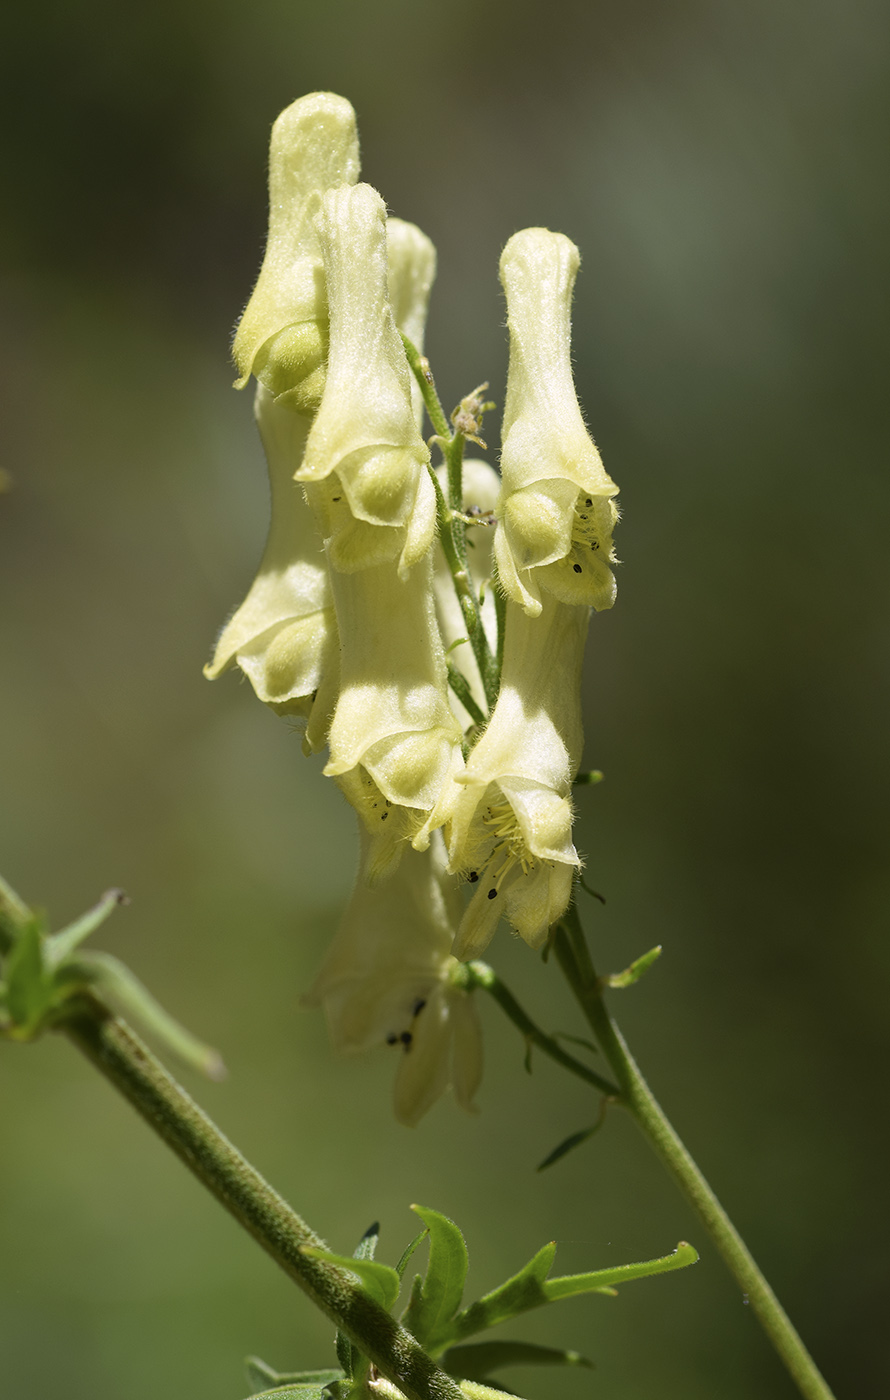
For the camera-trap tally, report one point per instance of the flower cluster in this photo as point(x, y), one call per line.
point(425, 626)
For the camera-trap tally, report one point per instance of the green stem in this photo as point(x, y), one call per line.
point(133, 1070)
point(479, 974)
point(452, 530)
point(420, 368)
point(574, 959)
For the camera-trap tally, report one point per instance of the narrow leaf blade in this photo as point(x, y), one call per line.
point(260, 1374)
point(572, 1284)
point(567, 1144)
point(523, 1291)
point(113, 979)
point(636, 970)
point(406, 1257)
point(477, 1361)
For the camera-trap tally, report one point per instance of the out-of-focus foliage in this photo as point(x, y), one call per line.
point(718, 164)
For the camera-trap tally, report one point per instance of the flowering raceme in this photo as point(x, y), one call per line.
point(442, 704)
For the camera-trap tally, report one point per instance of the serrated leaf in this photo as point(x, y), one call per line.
point(406, 1257)
point(260, 1374)
point(379, 1281)
point(602, 1280)
point(433, 1306)
point(477, 1361)
point(636, 970)
point(523, 1291)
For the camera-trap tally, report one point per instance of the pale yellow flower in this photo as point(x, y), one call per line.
point(556, 513)
point(510, 830)
point(284, 635)
point(394, 742)
point(365, 452)
point(389, 979)
point(282, 336)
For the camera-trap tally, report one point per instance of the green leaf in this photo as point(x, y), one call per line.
point(61, 945)
point(604, 1280)
point(260, 1374)
point(573, 1140)
point(348, 1354)
point(29, 989)
point(576, 1040)
point(477, 1361)
point(14, 914)
point(113, 980)
point(433, 1306)
point(523, 1291)
point(379, 1281)
point(594, 775)
point(292, 1392)
point(635, 971)
point(406, 1257)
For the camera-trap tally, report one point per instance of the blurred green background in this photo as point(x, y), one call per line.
point(718, 165)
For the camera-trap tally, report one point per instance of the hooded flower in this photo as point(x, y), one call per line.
point(556, 512)
point(282, 337)
point(284, 635)
point(365, 454)
point(510, 833)
point(394, 742)
point(389, 979)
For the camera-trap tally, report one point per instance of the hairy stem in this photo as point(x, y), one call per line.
point(113, 1048)
point(635, 1095)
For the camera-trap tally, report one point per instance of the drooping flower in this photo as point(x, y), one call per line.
point(282, 337)
point(394, 742)
point(556, 513)
point(365, 457)
point(389, 979)
point(510, 830)
point(284, 635)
